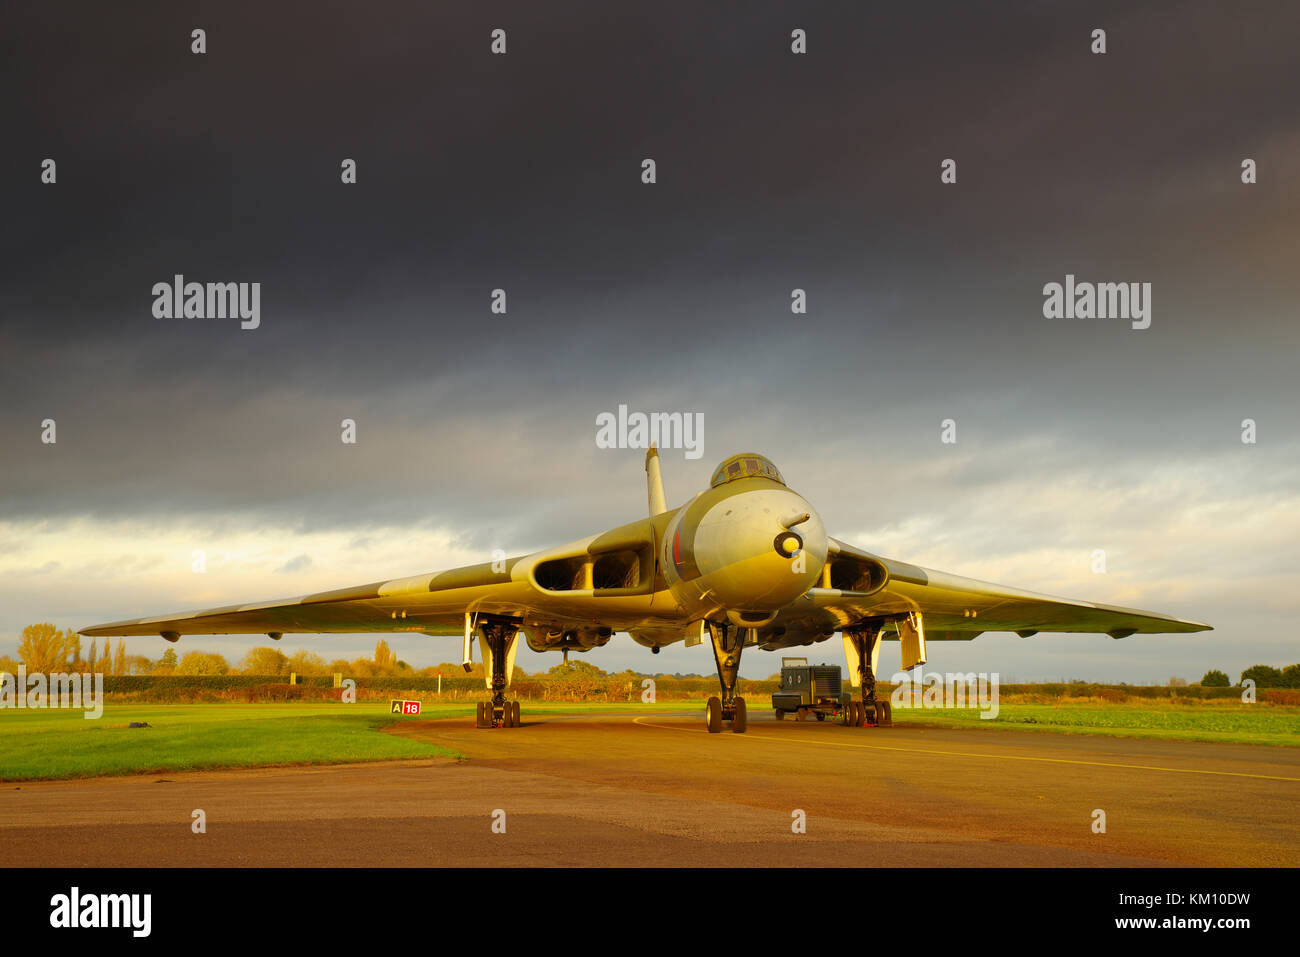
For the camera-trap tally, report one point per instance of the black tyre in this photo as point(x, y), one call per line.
point(780, 715)
point(821, 716)
point(885, 716)
point(741, 719)
point(478, 716)
point(514, 711)
point(713, 715)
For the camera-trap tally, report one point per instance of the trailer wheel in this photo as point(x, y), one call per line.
point(780, 715)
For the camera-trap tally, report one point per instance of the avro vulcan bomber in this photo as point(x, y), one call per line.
point(745, 563)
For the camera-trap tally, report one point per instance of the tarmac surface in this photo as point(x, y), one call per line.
point(657, 790)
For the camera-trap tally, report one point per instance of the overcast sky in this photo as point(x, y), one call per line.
point(775, 171)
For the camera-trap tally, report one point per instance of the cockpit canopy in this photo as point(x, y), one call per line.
point(745, 465)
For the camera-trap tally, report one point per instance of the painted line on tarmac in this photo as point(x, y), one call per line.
point(968, 754)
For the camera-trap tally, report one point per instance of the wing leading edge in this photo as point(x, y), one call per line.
point(957, 608)
point(433, 604)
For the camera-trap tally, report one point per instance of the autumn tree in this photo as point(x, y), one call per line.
point(202, 663)
point(384, 657)
point(576, 669)
point(45, 649)
point(306, 663)
point(449, 669)
point(166, 665)
point(264, 661)
point(362, 668)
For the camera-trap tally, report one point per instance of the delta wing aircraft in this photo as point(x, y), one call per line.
point(744, 563)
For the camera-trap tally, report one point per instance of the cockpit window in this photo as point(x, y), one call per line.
point(746, 465)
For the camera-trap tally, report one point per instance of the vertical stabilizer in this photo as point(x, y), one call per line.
point(655, 482)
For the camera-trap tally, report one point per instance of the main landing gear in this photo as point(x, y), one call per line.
point(864, 643)
point(494, 715)
point(498, 641)
point(728, 642)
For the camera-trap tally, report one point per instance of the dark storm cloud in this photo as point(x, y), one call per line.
point(522, 172)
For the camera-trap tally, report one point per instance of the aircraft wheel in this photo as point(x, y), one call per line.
point(508, 715)
point(713, 715)
point(514, 711)
point(846, 714)
point(741, 719)
point(868, 714)
point(478, 717)
point(885, 716)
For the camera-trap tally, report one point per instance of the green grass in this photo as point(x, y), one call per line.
point(1235, 723)
point(45, 744)
point(41, 744)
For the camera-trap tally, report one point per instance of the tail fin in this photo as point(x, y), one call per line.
point(655, 482)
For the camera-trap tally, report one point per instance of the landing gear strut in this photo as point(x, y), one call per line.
point(862, 647)
point(728, 642)
point(498, 641)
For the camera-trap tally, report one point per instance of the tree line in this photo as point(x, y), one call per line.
point(48, 650)
point(1264, 676)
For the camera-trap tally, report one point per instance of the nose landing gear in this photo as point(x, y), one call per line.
point(728, 642)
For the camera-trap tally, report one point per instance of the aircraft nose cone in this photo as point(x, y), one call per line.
point(762, 550)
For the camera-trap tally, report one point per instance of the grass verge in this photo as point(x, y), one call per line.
point(44, 745)
point(1225, 723)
